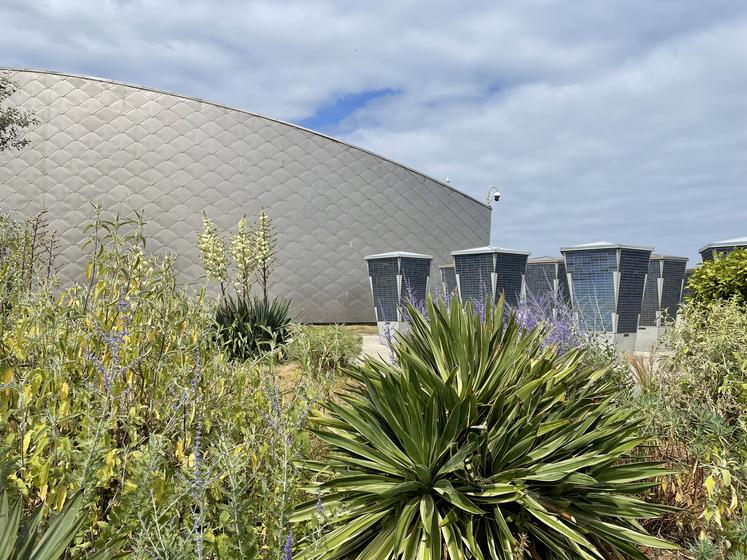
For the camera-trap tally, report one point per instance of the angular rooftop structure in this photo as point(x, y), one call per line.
point(725, 246)
point(606, 282)
point(546, 278)
point(490, 271)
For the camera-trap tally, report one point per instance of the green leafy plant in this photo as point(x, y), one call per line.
point(246, 327)
point(703, 549)
point(118, 385)
point(708, 345)
point(694, 416)
point(483, 442)
point(13, 120)
point(324, 350)
point(722, 278)
point(28, 249)
point(22, 539)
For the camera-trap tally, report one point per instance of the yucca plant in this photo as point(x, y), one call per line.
point(21, 539)
point(247, 326)
point(483, 442)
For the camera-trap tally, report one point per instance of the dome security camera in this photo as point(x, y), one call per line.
point(494, 195)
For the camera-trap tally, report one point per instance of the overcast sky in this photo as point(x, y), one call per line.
point(598, 120)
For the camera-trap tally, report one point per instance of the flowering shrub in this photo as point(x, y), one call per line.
point(722, 278)
point(27, 256)
point(117, 387)
point(557, 316)
point(695, 412)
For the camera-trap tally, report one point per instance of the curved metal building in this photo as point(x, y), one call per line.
point(130, 147)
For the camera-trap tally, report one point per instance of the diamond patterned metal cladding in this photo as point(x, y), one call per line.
point(175, 157)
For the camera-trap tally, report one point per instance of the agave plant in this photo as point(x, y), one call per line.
point(247, 327)
point(21, 539)
point(483, 442)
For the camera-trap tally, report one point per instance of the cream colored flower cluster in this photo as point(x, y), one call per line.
point(264, 244)
point(213, 251)
point(242, 250)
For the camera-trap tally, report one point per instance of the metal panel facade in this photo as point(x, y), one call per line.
point(510, 269)
point(448, 281)
point(673, 280)
point(174, 157)
point(633, 271)
point(651, 305)
point(474, 276)
point(592, 288)
point(540, 279)
point(544, 276)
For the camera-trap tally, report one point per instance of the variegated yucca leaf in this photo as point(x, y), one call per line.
point(23, 539)
point(481, 443)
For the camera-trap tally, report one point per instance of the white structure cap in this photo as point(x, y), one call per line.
point(489, 249)
point(656, 257)
point(605, 245)
point(398, 254)
point(545, 260)
point(736, 242)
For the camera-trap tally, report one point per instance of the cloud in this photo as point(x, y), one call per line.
point(619, 120)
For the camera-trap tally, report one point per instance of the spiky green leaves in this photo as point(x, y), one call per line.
point(482, 443)
point(21, 540)
point(246, 327)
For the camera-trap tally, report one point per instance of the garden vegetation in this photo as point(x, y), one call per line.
point(143, 419)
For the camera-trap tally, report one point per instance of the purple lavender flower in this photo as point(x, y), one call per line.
point(563, 330)
point(319, 505)
point(288, 548)
point(194, 383)
point(199, 483)
point(417, 303)
point(447, 297)
point(113, 341)
point(122, 303)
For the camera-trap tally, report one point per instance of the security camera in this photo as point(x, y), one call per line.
point(494, 195)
